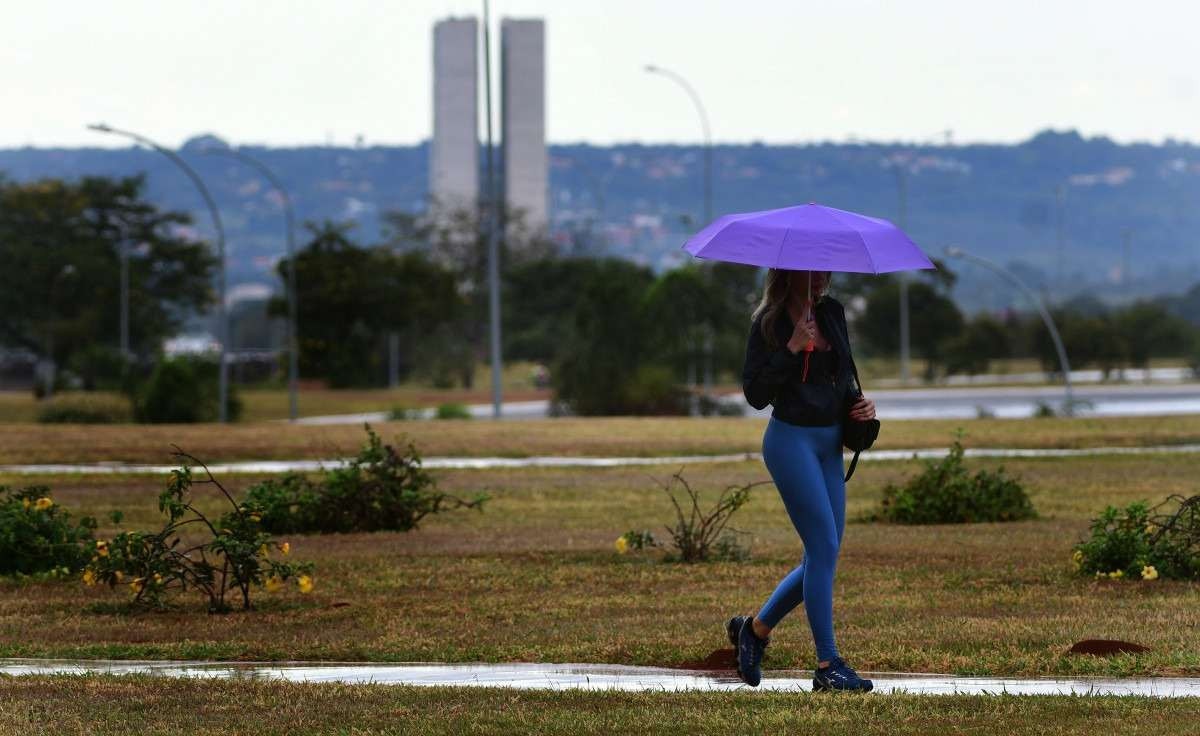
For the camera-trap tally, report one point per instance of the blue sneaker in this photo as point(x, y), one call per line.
point(749, 648)
point(839, 676)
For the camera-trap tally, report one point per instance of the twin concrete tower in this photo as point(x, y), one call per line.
point(454, 178)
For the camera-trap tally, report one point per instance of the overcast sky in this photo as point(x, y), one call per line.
point(295, 73)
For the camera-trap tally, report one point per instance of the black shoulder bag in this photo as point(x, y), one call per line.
point(857, 435)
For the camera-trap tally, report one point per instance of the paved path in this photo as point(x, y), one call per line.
point(560, 461)
point(604, 677)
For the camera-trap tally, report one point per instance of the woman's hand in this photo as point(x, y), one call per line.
point(804, 331)
point(863, 410)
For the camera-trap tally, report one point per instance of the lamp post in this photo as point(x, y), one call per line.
point(708, 200)
point(290, 244)
point(222, 320)
point(900, 169)
point(708, 168)
point(494, 209)
point(956, 252)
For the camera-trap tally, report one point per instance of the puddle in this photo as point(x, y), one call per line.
point(551, 461)
point(601, 677)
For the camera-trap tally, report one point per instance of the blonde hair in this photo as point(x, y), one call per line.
point(776, 290)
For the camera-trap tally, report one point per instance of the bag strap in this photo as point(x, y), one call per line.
point(858, 386)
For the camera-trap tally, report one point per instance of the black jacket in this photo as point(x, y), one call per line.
point(773, 376)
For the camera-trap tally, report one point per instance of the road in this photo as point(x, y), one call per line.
point(1006, 402)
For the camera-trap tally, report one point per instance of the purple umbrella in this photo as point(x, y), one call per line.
point(809, 237)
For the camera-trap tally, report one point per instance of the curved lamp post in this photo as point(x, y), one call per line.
point(708, 199)
point(708, 168)
point(222, 320)
point(290, 225)
point(955, 252)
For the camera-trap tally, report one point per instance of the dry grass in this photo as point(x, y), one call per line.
point(972, 599)
point(99, 706)
point(638, 436)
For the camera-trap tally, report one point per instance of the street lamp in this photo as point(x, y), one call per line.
point(652, 69)
point(900, 169)
point(708, 195)
point(223, 323)
point(496, 207)
point(290, 241)
point(955, 252)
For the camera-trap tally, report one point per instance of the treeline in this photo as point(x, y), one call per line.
point(616, 337)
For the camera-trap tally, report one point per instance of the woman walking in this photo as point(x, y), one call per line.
point(798, 360)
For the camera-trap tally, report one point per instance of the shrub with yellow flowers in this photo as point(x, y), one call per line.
point(1141, 542)
point(38, 536)
point(223, 558)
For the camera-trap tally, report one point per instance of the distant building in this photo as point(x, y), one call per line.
point(523, 117)
point(454, 152)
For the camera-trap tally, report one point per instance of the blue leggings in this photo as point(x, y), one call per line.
point(806, 465)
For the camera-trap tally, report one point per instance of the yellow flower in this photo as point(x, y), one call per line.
point(256, 518)
point(1149, 528)
point(305, 583)
point(262, 550)
point(273, 583)
point(102, 548)
point(1149, 573)
point(1099, 574)
point(1116, 574)
point(1078, 556)
point(118, 575)
point(157, 579)
point(621, 544)
point(285, 548)
point(25, 503)
point(89, 577)
point(137, 585)
point(43, 503)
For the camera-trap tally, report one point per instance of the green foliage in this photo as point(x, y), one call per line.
point(351, 297)
point(936, 325)
point(1143, 543)
point(652, 389)
point(982, 340)
point(380, 489)
point(182, 390)
point(85, 409)
point(606, 341)
point(39, 536)
point(945, 493)
point(452, 410)
point(231, 557)
point(699, 536)
point(60, 268)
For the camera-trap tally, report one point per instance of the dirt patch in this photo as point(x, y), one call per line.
point(721, 660)
point(1106, 647)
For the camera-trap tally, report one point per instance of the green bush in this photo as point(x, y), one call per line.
point(183, 390)
point(217, 557)
point(380, 489)
point(37, 535)
point(403, 414)
point(652, 389)
point(696, 535)
point(453, 411)
point(1143, 543)
point(945, 493)
point(85, 408)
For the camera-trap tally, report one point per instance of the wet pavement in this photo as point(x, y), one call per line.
point(601, 677)
point(564, 461)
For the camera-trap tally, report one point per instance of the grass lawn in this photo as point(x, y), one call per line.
point(994, 599)
point(640, 436)
point(122, 705)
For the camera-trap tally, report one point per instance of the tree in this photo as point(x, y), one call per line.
point(60, 266)
point(983, 339)
point(934, 324)
point(350, 298)
point(607, 341)
point(456, 239)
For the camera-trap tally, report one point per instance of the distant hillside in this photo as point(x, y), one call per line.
point(641, 202)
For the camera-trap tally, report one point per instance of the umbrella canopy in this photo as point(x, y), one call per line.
point(809, 237)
